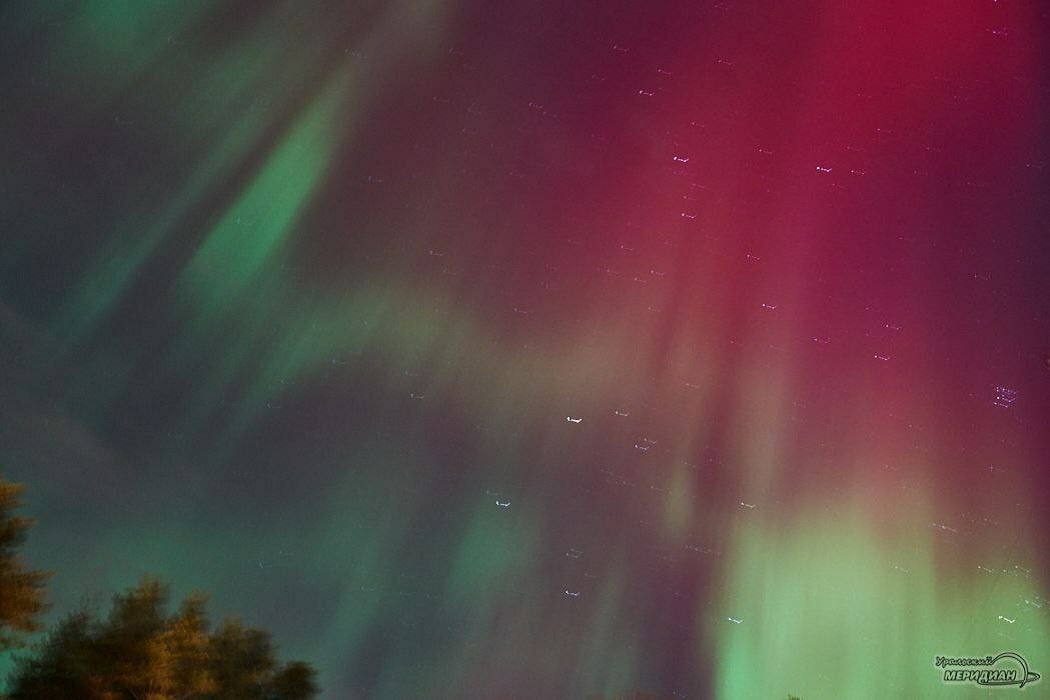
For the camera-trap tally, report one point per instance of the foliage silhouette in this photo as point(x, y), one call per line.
point(141, 651)
point(21, 589)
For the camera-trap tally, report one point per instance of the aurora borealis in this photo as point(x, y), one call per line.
point(541, 350)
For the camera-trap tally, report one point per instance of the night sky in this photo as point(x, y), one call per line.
point(549, 349)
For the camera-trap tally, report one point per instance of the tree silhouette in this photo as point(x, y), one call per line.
point(21, 589)
point(141, 652)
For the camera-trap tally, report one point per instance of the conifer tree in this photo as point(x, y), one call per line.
point(21, 588)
